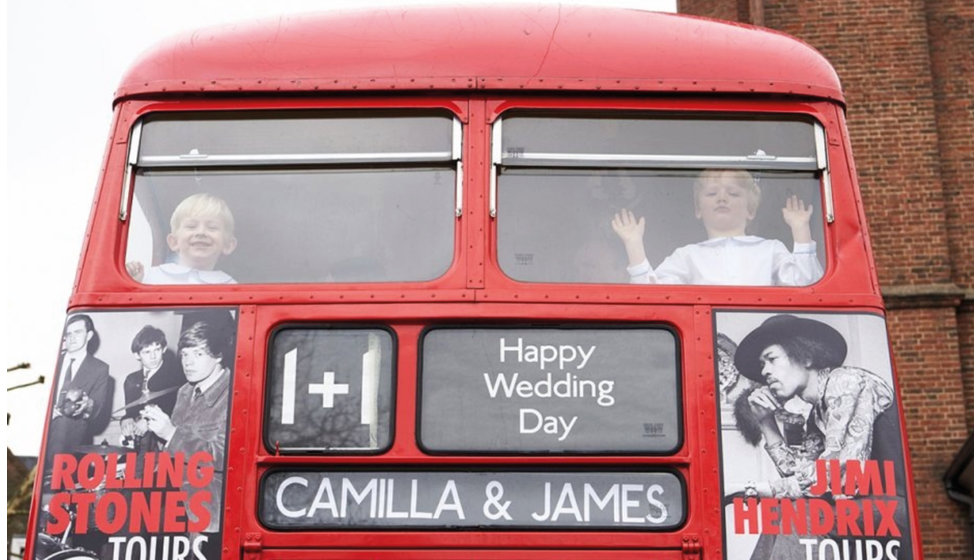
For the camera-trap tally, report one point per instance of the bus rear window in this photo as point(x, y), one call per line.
point(549, 390)
point(656, 200)
point(293, 197)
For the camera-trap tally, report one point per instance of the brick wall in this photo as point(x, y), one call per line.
point(907, 71)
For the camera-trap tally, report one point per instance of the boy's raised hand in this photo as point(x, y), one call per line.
point(135, 269)
point(796, 214)
point(627, 227)
point(630, 230)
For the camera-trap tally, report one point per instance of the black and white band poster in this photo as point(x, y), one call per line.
point(813, 461)
point(134, 455)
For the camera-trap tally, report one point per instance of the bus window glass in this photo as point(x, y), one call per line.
point(659, 201)
point(301, 134)
point(285, 200)
point(549, 390)
point(329, 391)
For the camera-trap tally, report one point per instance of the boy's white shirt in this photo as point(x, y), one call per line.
point(174, 273)
point(745, 260)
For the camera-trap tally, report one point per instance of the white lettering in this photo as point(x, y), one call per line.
point(532, 421)
point(543, 516)
point(347, 489)
point(325, 490)
point(175, 547)
point(544, 356)
point(569, 386)
point(450, 501)
point(656, 503)
point(282, 490)
point(850, 549)
point(592, 497)
point(628, 503)
point(181, 547)
point(567, 503)
point(390, 512)
point(414, 513)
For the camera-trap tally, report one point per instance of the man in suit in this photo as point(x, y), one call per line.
point(83, 402)
point(159, 371)
point(199, 423)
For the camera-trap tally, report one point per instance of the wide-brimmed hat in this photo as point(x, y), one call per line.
point(782, 328)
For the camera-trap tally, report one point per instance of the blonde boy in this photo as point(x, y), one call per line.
point(726, 200)
point(201, 231)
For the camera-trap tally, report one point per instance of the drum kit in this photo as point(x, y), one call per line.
point(60, 547)
point(48, 547)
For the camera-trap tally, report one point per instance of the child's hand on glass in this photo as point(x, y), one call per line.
point(627, 227)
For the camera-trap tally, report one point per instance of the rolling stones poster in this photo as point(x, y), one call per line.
point(134, 458)
point(813, 464)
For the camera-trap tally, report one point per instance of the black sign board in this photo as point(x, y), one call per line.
point(530, 500)
point(329, 390)
point(549, 390)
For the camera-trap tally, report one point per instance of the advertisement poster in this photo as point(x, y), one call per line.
point(813, 463)
point(134, 456)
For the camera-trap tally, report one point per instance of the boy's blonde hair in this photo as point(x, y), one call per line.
point(202, 204)
point(742, 178)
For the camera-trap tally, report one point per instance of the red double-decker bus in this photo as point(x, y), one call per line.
point(477, 283)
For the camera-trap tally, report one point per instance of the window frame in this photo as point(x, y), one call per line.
point(623, 110)
point(451, 159)
point(272, 447)
point(665, 327)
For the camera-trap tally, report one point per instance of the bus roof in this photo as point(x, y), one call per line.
point(467, 47)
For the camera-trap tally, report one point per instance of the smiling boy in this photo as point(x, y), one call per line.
point(201, 232)
point(725, 201)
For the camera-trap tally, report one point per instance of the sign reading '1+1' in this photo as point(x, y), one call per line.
point(329, 390)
